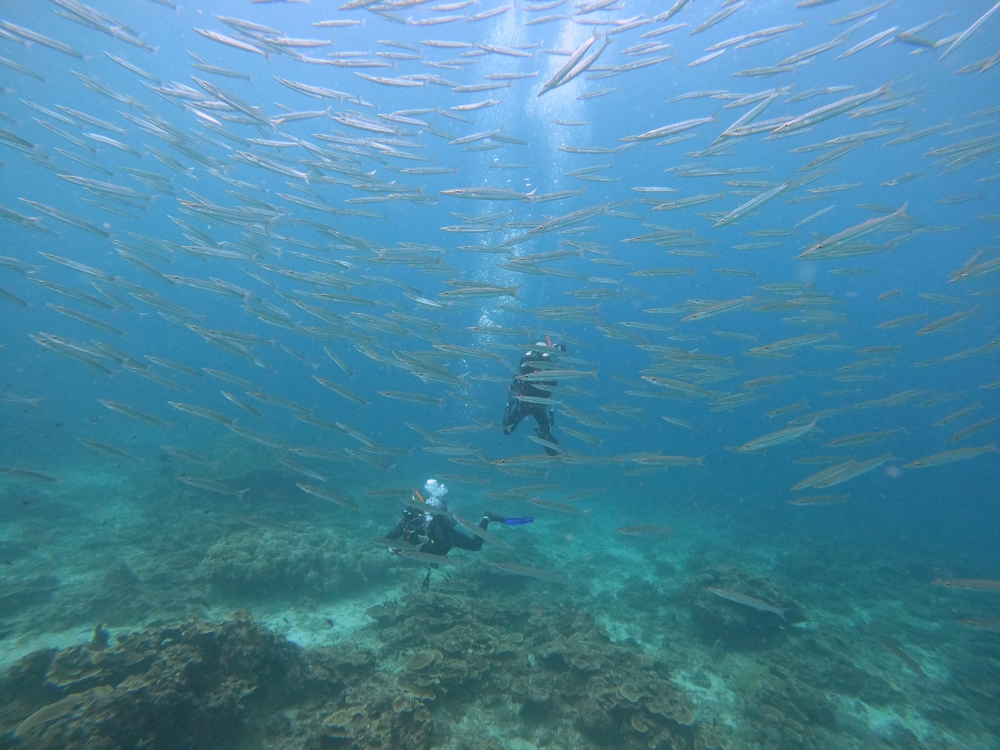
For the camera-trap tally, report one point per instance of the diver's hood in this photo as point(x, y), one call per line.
point(542, 350)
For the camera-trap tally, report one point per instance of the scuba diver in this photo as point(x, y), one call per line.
point(433, 532)
point(520, 393)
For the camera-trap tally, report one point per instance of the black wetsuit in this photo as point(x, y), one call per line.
point(517, 410)
point(438, 536)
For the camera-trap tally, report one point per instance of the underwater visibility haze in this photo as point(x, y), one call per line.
point(500, 375)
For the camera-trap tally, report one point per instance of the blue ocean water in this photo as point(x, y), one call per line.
point(230, 237)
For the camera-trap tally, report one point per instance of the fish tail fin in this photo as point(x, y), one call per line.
point(586, 513)
point(782, 613)
point(242, 493)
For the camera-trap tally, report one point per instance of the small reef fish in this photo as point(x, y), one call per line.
point(212, 486)
point(424, 508)
point(585, 493)
point(749, 601)
point(524, 570)
point(410, 552)
point(821, 500)
point(19, 473)
point(128, 411)
point(986, 623)
point(483, 534)
point(329, 496)
point(776, 438)
point(558, 507)
point(109, 450)
point(415, 397)
point(841, 473)
point(947, 457)
point(657, 460)
point(864, 438)
point(968, 584)
point(647, 531)
point(897, 650)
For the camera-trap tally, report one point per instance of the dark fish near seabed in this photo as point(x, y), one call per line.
point(821, 500)
point(968, 584)
point(330, 496)
point(412, 553)
point(749, 601)
point(646, 531)
point(524, 570)
point(19, 473)
point(203, 483)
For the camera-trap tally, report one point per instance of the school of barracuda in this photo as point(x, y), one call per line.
point(396, 192)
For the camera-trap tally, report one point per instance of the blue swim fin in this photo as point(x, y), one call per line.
point(518, 521)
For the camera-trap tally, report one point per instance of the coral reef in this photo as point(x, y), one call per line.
point(268, 561)
point(735, 625)
point(185, 685)
point(234, 684)
point(554, 663)
point(780, 710)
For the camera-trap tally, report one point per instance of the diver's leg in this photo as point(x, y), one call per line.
point(471, 543)
point(512, 416)
point(544, 429)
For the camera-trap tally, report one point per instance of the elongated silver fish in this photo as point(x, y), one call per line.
point(524, 570)
point(749, 601)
